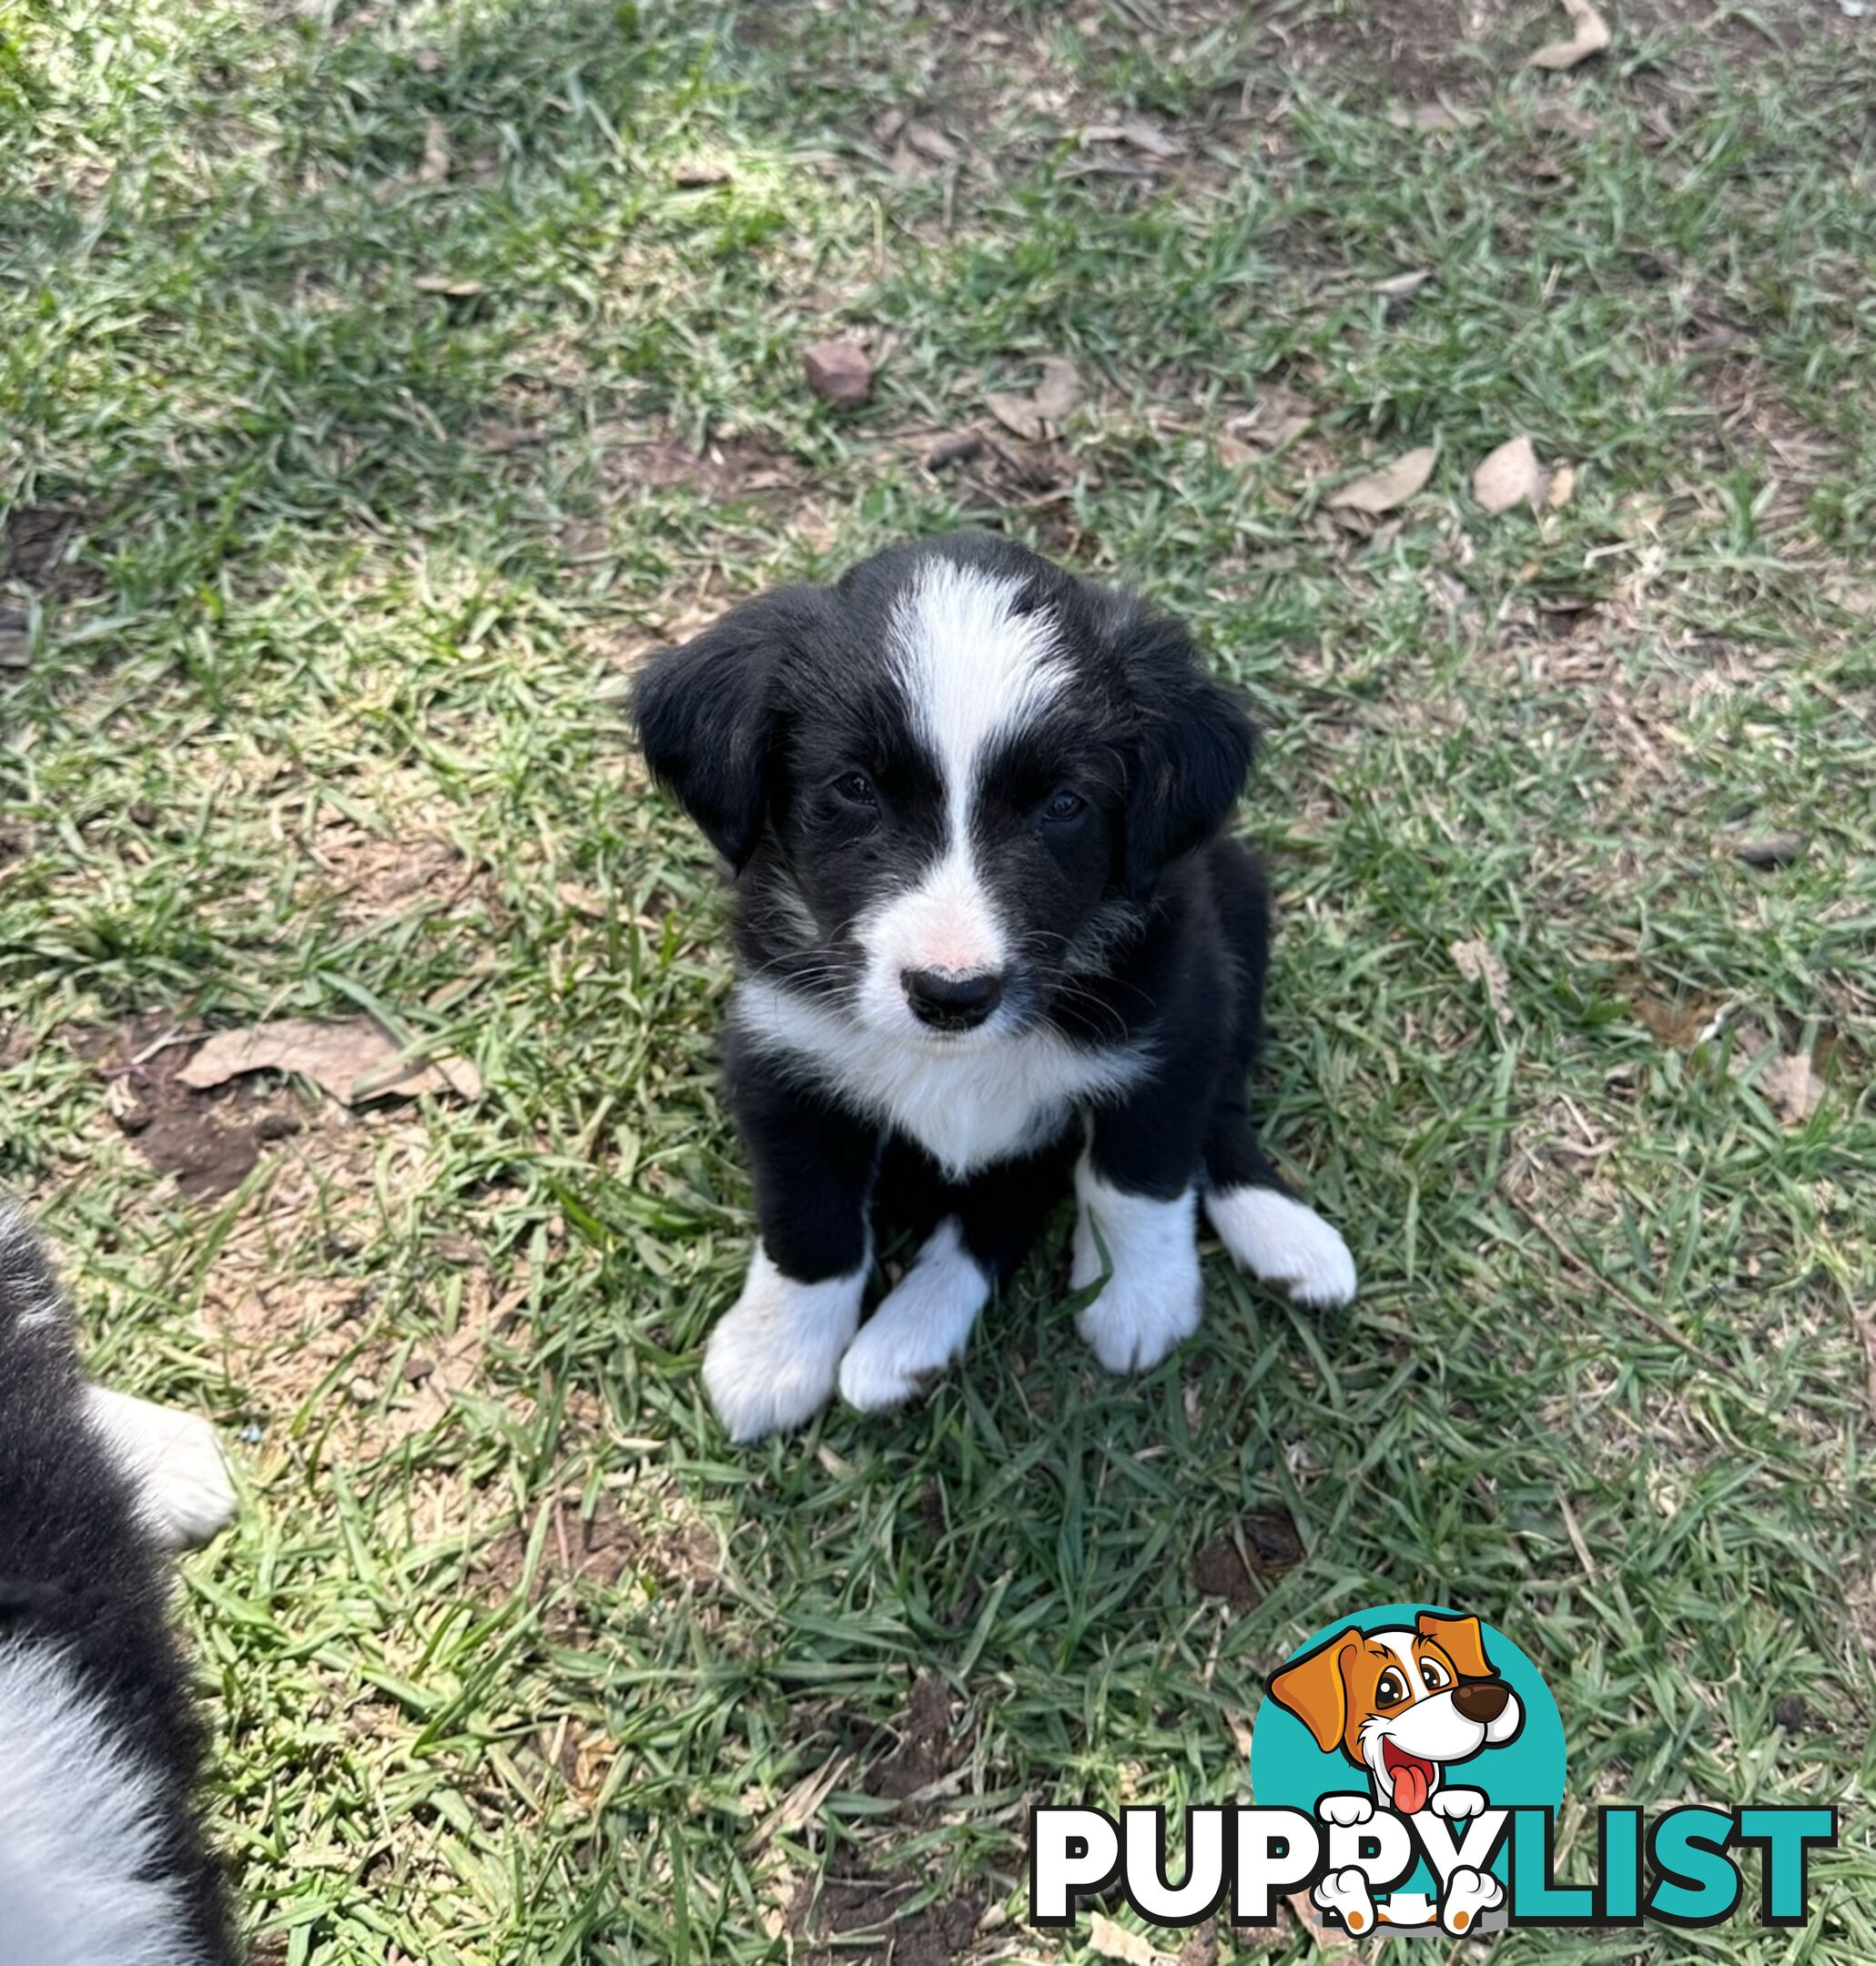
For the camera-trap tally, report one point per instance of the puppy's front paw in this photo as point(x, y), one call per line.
point(1345, 1893)
point(184, 1492)
point(1141, 1313)
point(1345, 1811)
point(773, 1359)
point(1286, 1243)
point(1457, 1805)
point(923, 1324)
point(1468, 1893)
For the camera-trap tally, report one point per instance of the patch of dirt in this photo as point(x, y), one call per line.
point(209, 1140)
point(1415, 50)
point(924, 1753)
point(1234, 1566)
point(855, 1921)
point(32, 547)
point(730, 467)
point(598, 1546)
point(369, 877)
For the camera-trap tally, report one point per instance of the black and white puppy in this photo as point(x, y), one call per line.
point(990, 943)
point(102, 1862)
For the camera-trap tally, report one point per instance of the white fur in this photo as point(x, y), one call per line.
point(970, 671)
point(1345, 1811)
point(1152, 1299)
point(924, 1323)
point(20, 1258)
point(184, 1493)
point(1467, 1893)
point(774, 1356)
point(1456, 1804)
point(79, 1820)
point(968, 1103)
point(1345, 1892)
point(1433, 1729)
point(1283, 1243)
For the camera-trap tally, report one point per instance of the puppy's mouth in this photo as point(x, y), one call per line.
point(1412, 1777)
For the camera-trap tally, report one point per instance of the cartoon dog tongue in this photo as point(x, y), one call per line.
point(1413, 1782)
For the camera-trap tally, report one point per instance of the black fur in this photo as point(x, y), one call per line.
point(786, 733)
point(78, 1574)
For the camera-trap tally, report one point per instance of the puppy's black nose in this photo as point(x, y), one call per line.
point(953, 1003)
point(1481, 1699)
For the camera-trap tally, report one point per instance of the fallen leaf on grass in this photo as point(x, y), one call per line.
point(1116, 1942)
point(1018, 414)
point(931, 144)
point(1403, 283)
point(1511, 476)
point(1790, 1085)
point(839, 372)
point(1432, 118)
point(1138, 133)
point(1477, 964)
point(442, 283)
point(1591, 38)
point(353, 1058)
point(1382, 490)
point(1059, 389)
point(1849, 595)
point(1563, 486)
point(435, 167)
point(698, 176)
point(801, 1802)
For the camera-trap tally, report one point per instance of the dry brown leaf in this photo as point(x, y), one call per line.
point(801, 1802)
point(1116, 1942)
point(1563, 486)
point(1393, 485)
point(1591, 38)
point(1403, 283)
point(1017, 415)
point(1509, 477)
point(932, 144)
point(1790, 1085)
point(351, 1058)
point(435, 167)
point(1059, 389)
point(1151, 138)
point(1477, 964)
point(1851, 596)
point(443, 283)
point(1432, 118)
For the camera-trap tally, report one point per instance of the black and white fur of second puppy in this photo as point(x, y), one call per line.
point(991, 945)
point(102, 1861)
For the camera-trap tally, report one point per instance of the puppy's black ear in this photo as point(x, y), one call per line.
point(706, 714)
point(1192, 749)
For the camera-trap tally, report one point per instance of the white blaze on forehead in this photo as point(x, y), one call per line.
point(972, 668)
point(1401, 1644)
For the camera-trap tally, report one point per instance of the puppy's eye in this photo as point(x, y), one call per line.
point(1391, 1689)
point(1065, 805)
point(857, 789)
point(1435, 1674)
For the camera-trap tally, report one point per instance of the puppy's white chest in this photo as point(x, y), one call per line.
point(969, 1108)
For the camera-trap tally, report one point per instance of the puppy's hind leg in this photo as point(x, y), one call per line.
point(1270, 1235)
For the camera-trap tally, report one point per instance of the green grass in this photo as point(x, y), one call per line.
point(322, 713)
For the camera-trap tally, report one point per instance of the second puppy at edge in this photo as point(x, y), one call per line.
point(990, 943)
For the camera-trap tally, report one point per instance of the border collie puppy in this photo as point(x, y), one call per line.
point(102, 1863)
point(991, 944)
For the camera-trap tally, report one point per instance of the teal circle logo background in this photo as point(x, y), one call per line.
point(1288, 1771)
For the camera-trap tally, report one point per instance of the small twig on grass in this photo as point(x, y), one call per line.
point(1658, 1325)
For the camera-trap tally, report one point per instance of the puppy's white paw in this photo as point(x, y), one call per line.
point(923, 1324)
point(1345, 1892)
point(184, 1492)
point(1468, 1893)
point(1344, 1811)
point(1152, 1299)
point(1457, 1805)
point(773, 1359)
point(1284, 1243)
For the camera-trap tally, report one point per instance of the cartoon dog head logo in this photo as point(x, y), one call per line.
point(1403, 1702)
point(1450, 1725)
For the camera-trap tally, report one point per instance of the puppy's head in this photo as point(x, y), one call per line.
point(1402, 1703)
point(950, 781)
